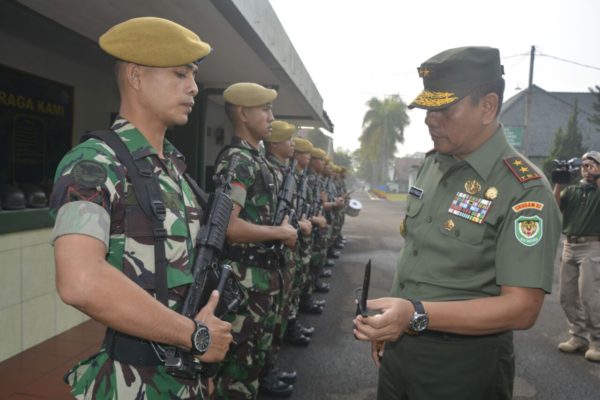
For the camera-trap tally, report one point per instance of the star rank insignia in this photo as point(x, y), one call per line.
point(424, 72)
point(521, 169)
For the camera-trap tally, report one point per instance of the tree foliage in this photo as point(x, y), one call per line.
point(595, 118)
point(567, 143)
point(383, 129)
point(343, 158)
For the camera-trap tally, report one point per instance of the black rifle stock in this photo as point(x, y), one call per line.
point(208, 275)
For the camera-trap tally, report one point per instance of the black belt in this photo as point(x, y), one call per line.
point(582, 239)
point(447, 335)
point(252, 258)
point(129, 349)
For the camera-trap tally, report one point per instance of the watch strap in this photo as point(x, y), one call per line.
point(418, 306)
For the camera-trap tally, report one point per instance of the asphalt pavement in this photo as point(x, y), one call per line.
point(335, 366)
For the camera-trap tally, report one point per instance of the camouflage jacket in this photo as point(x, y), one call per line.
point(92, 196)
point(254, 186)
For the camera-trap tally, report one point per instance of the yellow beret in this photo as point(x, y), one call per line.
point(248, 94)
point(302, 145)
point(318, 153)
point(153, 42)
point(280, 131)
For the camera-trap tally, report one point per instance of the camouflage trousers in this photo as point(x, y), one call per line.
point(101, 378)
point(319, 256)
point(253, 327)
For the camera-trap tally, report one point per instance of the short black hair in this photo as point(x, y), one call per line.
point(496, 87)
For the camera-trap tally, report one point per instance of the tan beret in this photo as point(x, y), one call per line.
point(280, 131)
point(302, 145)
point(327, 158)
point(318, 153)
point(248, 94)
point(153, 42)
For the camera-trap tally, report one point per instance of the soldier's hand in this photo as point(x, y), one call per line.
point(289, 235)
point(339, 202)
point(220, 331)
point(377, 352)
point(305, 226)
point(387, 326)
point(319, 221)
point(323, 196)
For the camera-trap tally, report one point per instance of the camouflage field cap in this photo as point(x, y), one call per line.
point(247, 94)
point(302, 145)
point(318, 153)
point(153, 42)
point(592, 155)
point(280, 131)
point(453, 74)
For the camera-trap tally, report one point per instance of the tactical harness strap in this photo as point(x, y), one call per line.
point(147, 191)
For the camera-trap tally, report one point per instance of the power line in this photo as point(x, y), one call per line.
point(569, 61)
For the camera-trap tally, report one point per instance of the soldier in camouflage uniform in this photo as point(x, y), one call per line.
point(280, 149)
point(296, 333)
point(104, 250)
point(250, 250)
point(318, 257)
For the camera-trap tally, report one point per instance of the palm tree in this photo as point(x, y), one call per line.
point(383, 129)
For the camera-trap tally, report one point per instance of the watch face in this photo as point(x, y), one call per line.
point(201, 339)
point(419, 322)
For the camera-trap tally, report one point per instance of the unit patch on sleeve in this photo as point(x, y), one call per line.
point(528, 205)
point(529, 230)
point(469, 207)
point(521, 169)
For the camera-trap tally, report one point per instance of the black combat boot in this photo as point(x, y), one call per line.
point(308, 306)
point(330, 263)
point(322, 287)
point(333, 253)
point(271, 385)
point(325, 274)
point(288, 377)
point(294, 336)
point(307, 331)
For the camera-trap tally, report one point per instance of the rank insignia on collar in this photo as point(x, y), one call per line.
point(521, 169)
point(470, 207)
point(472, 187)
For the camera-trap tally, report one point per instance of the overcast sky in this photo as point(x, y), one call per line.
point(357, 49)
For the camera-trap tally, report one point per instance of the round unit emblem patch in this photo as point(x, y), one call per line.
point(89, 174)
point(529, 230)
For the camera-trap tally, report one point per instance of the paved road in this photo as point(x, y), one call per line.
point(335, 366)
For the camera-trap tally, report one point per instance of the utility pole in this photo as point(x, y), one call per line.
point(528, 104)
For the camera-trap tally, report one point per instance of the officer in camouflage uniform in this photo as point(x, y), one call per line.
point(280, 149)
point(104, 251)
point(481, 234)
point(250, 242)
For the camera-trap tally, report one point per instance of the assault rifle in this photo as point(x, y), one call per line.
point(301, 205)
point(285, 207)
point(209, 275)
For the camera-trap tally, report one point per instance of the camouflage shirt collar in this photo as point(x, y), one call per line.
point(137, 143)
point(276, 161)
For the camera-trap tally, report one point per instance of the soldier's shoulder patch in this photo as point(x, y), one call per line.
point(521, 169)
point(89, 173)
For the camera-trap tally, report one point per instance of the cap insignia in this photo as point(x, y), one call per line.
point(435, 99)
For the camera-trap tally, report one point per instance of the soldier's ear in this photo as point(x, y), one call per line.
point(133, 74)
point(489, 105)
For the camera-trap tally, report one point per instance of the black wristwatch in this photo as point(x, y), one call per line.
point(200, 339)
point(420, 320)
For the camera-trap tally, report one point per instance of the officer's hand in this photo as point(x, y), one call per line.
point(305, 226)
point(387, 326)
point(289, 235)
point(377, 352)
point(220, 331)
